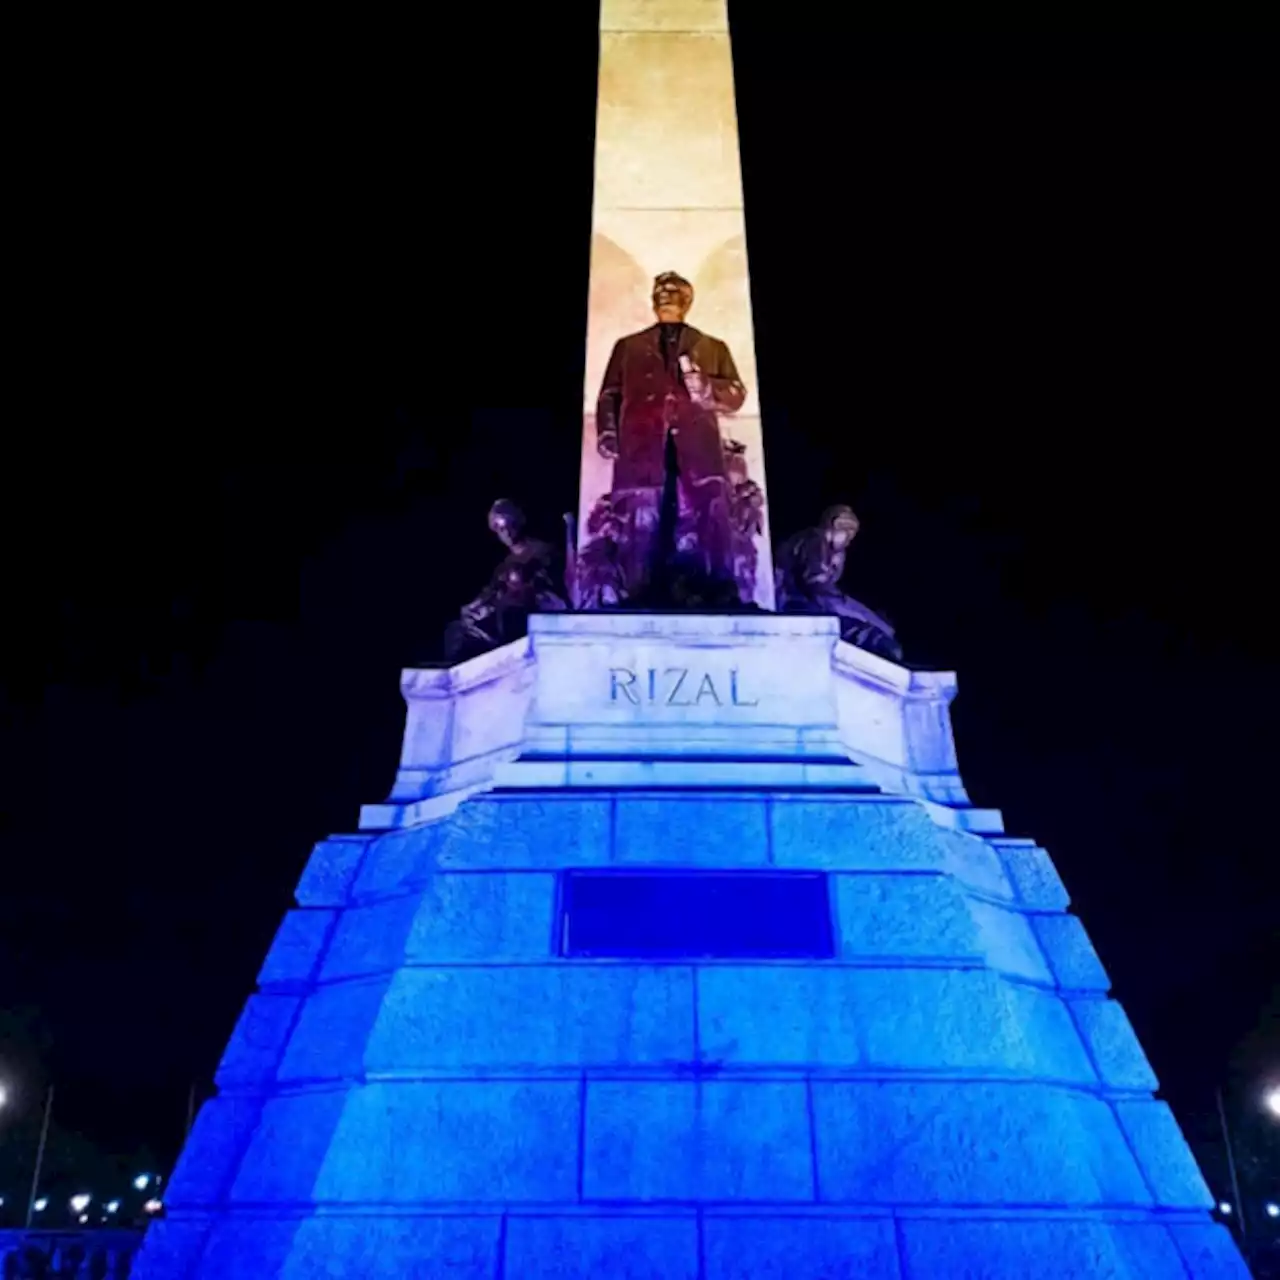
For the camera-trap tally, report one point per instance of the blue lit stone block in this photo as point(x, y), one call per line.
point(257, 1042)
point(853, 836)
point(1163, 1154)
point(966, 1020)
point(909, 916)
point(247, 1247)
point(690, 1140)
point(369, 940)
point(1208, 1251)
point(1112, 1044)
point(969, 1144)
point(808, 1248)
point(330, 872)
point(534, 1016)
point(490, 916)
point(212, 1153)
point(1066, 1250)
point(622, 1248)
point(399, 1248)
point(691, 832)
point(779, 1015)
point(1009, 942)
point(1035, 879)
point(480, 1141)
point(296, 950)
point(974, 863)
point(171, 1250)
point(526, 831)
point(1074, 962)
point(328, 1042)
point(399, 862)
point(284, 1155)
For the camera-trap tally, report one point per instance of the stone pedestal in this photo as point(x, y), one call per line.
point(677, 951)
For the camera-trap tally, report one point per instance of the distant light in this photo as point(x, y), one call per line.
point(4, 1095)
point(1, 1202)
point(80, 1203)
point(153, 1206)
point(1272, 1102)
point(142, 1182)
point(1273, 1209)
point(84, 1217)
point(112, 1206)
point(41, 1205)
point(1224, 1208)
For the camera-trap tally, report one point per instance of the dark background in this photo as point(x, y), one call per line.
point(299, 305)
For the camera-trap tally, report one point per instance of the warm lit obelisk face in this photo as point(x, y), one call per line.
point(668, 199)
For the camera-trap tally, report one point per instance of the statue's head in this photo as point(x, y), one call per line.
point(506, 520)
point(672, 297)
point(840, 526)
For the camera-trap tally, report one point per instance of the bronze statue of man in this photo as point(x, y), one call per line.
point(524, 583)
point(661, 397)
point(808, 569)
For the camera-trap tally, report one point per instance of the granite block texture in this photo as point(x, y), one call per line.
point(424, 1085)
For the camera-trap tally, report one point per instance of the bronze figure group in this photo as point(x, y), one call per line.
point(679, 525)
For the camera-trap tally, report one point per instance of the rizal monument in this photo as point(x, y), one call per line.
point(677, 951)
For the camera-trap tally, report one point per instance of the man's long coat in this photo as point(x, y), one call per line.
point(642, 395)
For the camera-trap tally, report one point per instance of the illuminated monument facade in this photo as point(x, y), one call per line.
point(677, 951)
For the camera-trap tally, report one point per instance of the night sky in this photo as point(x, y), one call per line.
point(300, 310)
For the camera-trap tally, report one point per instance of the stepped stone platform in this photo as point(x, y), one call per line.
point(678, 952)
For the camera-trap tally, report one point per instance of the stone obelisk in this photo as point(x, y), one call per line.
point(668, 197)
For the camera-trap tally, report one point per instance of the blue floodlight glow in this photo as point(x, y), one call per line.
point(768, 1023)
